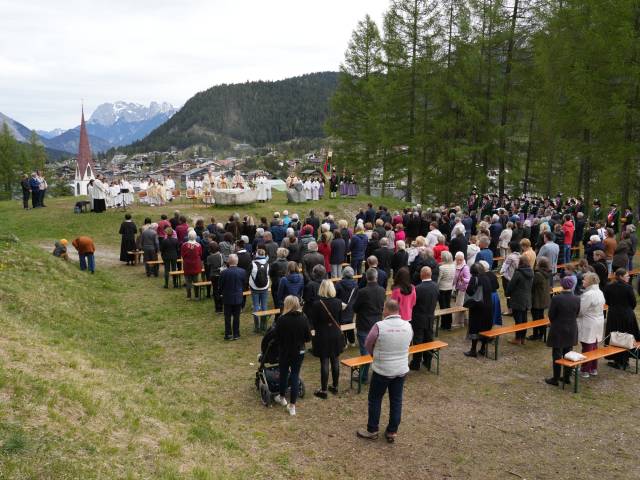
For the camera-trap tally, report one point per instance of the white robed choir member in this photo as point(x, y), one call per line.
point(307, 189)
point(315, 190)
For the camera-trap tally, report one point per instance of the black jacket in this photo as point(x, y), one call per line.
point(309, 261)
point(384, 256)
point(519, 288)
point(292, 332)
point(400, 259)
point(621, 300)
point(169, 248)
point(338, 251)
point(368, 306)
point(328, 340)
point(458, 244)
point(427, 294)
point(563, 314)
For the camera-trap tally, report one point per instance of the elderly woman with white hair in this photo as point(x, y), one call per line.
point(460, 283)
point(445, 285)
point(590, 320)
point(191, 253)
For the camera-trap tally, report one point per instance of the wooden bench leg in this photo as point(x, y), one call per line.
point(436, 353)
point(496, 341)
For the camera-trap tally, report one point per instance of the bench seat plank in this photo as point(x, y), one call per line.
point(355, 363)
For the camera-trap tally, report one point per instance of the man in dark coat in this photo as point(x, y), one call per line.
point(370, 214)
point(26, 191)
point(231, 285)
point(368, 307)
point(372, 262)
point(313, 221)
point(458, 244)
point(384, 255)
point(310, 260)
point(423, 315)
point(563, 333)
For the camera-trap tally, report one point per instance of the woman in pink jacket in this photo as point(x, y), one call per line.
point(404, 293)
point(460, 283)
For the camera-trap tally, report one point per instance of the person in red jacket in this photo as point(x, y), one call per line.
point(182, 229)
point(324, 247)
point(568, 228)
point(191, 252)
point(439, 248)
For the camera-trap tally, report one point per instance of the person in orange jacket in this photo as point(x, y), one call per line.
point(86, 249)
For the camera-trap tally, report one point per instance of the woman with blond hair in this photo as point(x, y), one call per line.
point(328, 341)
point(527, 252)
point(292, 332)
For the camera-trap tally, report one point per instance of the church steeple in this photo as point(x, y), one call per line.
point(84, 162)
point(85, 170)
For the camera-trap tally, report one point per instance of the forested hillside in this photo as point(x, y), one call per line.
point(254, 112)
point(520, 96)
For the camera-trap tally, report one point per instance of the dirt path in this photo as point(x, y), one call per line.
point(104, 256)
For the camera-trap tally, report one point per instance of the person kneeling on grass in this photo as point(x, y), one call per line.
point(60, 249)
point(388, 343)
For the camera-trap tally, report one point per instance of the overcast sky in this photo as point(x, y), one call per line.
point(55, 53)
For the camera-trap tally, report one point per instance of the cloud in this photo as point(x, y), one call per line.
point(52, 54)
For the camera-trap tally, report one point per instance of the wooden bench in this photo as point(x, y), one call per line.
point(562, 266)
point(446, 311)
point(177, 276)
point(556, 290)
point(356, 363)
point(199, 288)
point(496, 333)
point(596, 354)
point(137, 256)
point(266, 313)
point(154, 262)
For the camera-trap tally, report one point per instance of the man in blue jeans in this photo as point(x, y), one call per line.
point(388, 342)
point(367, 306)
point(259, 284)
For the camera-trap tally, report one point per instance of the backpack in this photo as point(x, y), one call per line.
point(261, 278)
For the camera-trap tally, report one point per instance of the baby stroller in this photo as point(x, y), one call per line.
point(268, 374)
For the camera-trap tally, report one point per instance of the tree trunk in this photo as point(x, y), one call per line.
point(587, 167)
point(487, 96)
point(527, 165)
point(505, 103)
point(412, 99)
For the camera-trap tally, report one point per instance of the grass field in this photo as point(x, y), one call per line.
point(111, 376)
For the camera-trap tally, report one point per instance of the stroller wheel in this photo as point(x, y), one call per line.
point(301, 389)
point(265, 395)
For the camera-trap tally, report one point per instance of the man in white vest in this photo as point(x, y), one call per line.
point(388, 342)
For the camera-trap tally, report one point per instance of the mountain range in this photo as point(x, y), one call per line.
point(110, 125)
point(257, 113)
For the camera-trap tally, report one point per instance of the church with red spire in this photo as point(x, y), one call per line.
point(85, 170)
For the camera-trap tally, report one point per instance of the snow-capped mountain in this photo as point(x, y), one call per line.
point(109, 113)
point(50, 133)
point(110, 125)
point(115, 124)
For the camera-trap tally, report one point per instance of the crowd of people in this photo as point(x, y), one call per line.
point(427, 257)
point(35, 187)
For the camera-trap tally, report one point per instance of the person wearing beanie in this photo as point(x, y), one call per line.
point(60, 249)
point(563, 332)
